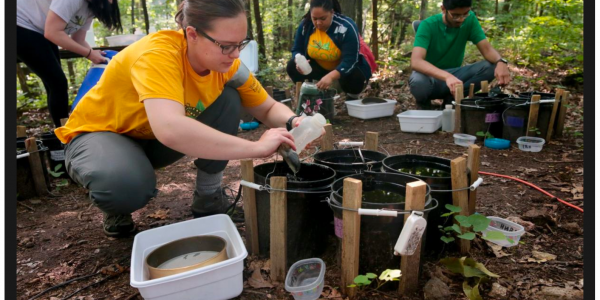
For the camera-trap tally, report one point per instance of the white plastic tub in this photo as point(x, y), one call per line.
point(222, 280)
point(123, 39)
point(464, 140)
point(422, 121)
point(370, 111)
point(249, 56)
point(531, 144)
point(305, 279)
point(512, 231)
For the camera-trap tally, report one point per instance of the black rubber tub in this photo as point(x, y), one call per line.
point(378, 235)
point(307, 216)
point(481, 114)
point(347, 162)
point(516, 117)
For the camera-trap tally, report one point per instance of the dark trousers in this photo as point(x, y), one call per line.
point(425, 88)
point(353, 83)
point(119, 170)
point(42, 57)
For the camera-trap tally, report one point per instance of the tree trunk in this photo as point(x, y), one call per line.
point(506, 7)
point(22, 79)
point(496, 9)
point(423, 10)
point(250, 33)
point(374, 41)
point(132, 16)
point(349, 8)
point(146, 19)
point(290, 34)
point(359, 16)
point(259, 29)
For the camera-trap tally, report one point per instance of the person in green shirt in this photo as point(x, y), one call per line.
point(439, 50)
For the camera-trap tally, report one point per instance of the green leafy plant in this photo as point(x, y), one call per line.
point(535, 129)
point(486, 134)
point(55, 173)
point(473, 272)
point(363, 281)
point(468, 227)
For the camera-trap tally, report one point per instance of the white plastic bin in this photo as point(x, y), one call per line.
point(249, 56)
point(305, 279)
point(531, 144)
point(512, 231)
point(218, 281)
point(123, 39)
point(422, 121)
point(464, 140)
point(370, 111)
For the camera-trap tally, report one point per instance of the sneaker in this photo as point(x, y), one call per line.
point(208, 205)
point(118, 225)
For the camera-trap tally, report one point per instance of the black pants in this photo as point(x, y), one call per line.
point(42, 57)
point(353, 83)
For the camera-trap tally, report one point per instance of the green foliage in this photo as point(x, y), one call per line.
point(363, 281)
point(486, 134)
point(473, 272)
point(535, 130)
point(55, 173)
point(472, 226)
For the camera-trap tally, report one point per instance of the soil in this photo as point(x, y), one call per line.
point(60, 236)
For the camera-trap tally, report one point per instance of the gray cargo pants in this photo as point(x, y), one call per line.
point(119, 170)
point(425, 88)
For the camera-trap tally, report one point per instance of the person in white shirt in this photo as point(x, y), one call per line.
point(43, 25)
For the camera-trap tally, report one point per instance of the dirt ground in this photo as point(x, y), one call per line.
point(60, 237)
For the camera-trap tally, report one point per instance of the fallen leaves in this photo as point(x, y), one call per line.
point(160, 214)
point(497, 249)
point(540, 257)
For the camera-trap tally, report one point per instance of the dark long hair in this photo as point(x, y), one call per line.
point(327, 5)
point(201, 13)
point(107, 13)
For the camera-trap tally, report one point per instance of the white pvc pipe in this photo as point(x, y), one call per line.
point(476, 184)
point(351, 144)
point(377, 212)
point(22, 155)
point(251, 185)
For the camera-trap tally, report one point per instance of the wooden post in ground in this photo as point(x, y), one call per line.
point(371, 140)
point(409, 265)
point(298, 87)
point(278, 229)
point(21, 131)
point(327, 140)
point(484, 87)
point(534, 109)
point(460, 198)
point(35, 163)
point(557, 96)
point(471, 90)
point(351, 236)
point(473, 162)
point(560, 125)
point(250, 219)
point(458, 96)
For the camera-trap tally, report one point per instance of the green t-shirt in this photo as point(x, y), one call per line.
point(446, 46)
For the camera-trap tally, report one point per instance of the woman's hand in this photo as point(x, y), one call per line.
point(325, 82)
point(272, 138)
point(502, 74)
point(96, 56)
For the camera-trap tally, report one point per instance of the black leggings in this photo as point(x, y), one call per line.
point(353, 83)
point(42, 57)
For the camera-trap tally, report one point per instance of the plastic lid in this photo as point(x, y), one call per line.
point(448, 106)
point(318, 120)
point(298, 54)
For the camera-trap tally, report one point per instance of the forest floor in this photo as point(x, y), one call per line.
point(60, 238)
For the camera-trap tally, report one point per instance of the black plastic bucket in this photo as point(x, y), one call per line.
point(378, 235)
point(516, 117)
point(56, 153)
point(279, 95)
point(348, 161)
point(544, 96)
point(307, 214)
point(25, 184)
point(442, 180)
point(479, 114)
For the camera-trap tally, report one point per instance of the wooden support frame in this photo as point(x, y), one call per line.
point(351, 236)
point(21, 131)
point(471, 90)
point(35, 163)
point(534, 110)
point(409, 265)
point(327, 140)
point(458, 96)
point(473, 162)
point(485, 87)
point(247, 166)
point(557, 97)
point(278, 229)
point(460, 198)
point(560, 124)
point(298, 87)
point(371, 140)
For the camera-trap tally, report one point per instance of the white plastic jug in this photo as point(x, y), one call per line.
point(303, 64)
point(309, 129)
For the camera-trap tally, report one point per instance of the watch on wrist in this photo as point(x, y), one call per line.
point(502, 60)
point(288, 124)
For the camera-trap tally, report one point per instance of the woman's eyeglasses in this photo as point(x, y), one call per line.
point(225, 49)
point(458, 17)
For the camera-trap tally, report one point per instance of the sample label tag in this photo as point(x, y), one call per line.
point(515, 122)
point(492, 118)
point(338, 227)
point(57, 155)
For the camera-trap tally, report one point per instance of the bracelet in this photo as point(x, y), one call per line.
point(88, 55)
point(288, 124)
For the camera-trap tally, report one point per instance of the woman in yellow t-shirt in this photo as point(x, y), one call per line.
point(172, 93)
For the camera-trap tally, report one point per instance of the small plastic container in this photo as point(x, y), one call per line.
point(421, 121)
point(510, 229)
point(531, 144)
point(464, 140)
point(496, 143)
point(305, 279)
point(370, 111)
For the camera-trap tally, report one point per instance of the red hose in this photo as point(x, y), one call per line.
point(535, 187)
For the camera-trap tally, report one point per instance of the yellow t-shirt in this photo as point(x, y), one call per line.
point(154, 67)
point(323, 50)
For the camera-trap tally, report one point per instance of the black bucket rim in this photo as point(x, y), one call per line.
point(299, 182)
point(388, 168)
point(315, 157)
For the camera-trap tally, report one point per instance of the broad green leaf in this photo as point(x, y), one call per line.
point(494, 235)
point(472, 292)
point(456, 228)
point(472, 272)
point(467, 236)
point(57, 167)
point(463, 220)
point(390, 275)
point(479, 222)
point(447, 214)
point(362, 279)
point(352, 285)
point(453, 208)
point(371, 275)
point(453, 264)
point(483, 269)
point(471, 263)
point(447, 239)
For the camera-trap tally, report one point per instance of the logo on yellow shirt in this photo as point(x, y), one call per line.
point(320, 46)
point(194, 112)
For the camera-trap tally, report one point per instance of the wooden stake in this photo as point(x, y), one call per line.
point(288, 95)
point(557, 96)
point(35, 164)
point(471, 90)
point(473, 163)
point(560, 125)
point(63, 121)
point(460, 198)
point(21, 131)
point(269, 90)
point(534, 109)
point(298, 87)
point(327, 140)
point(351, 235)
point(250, 219)
point(484, 87)
point(458, 96)
point(278, 229)
point(371, 140)
point(409, 265)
